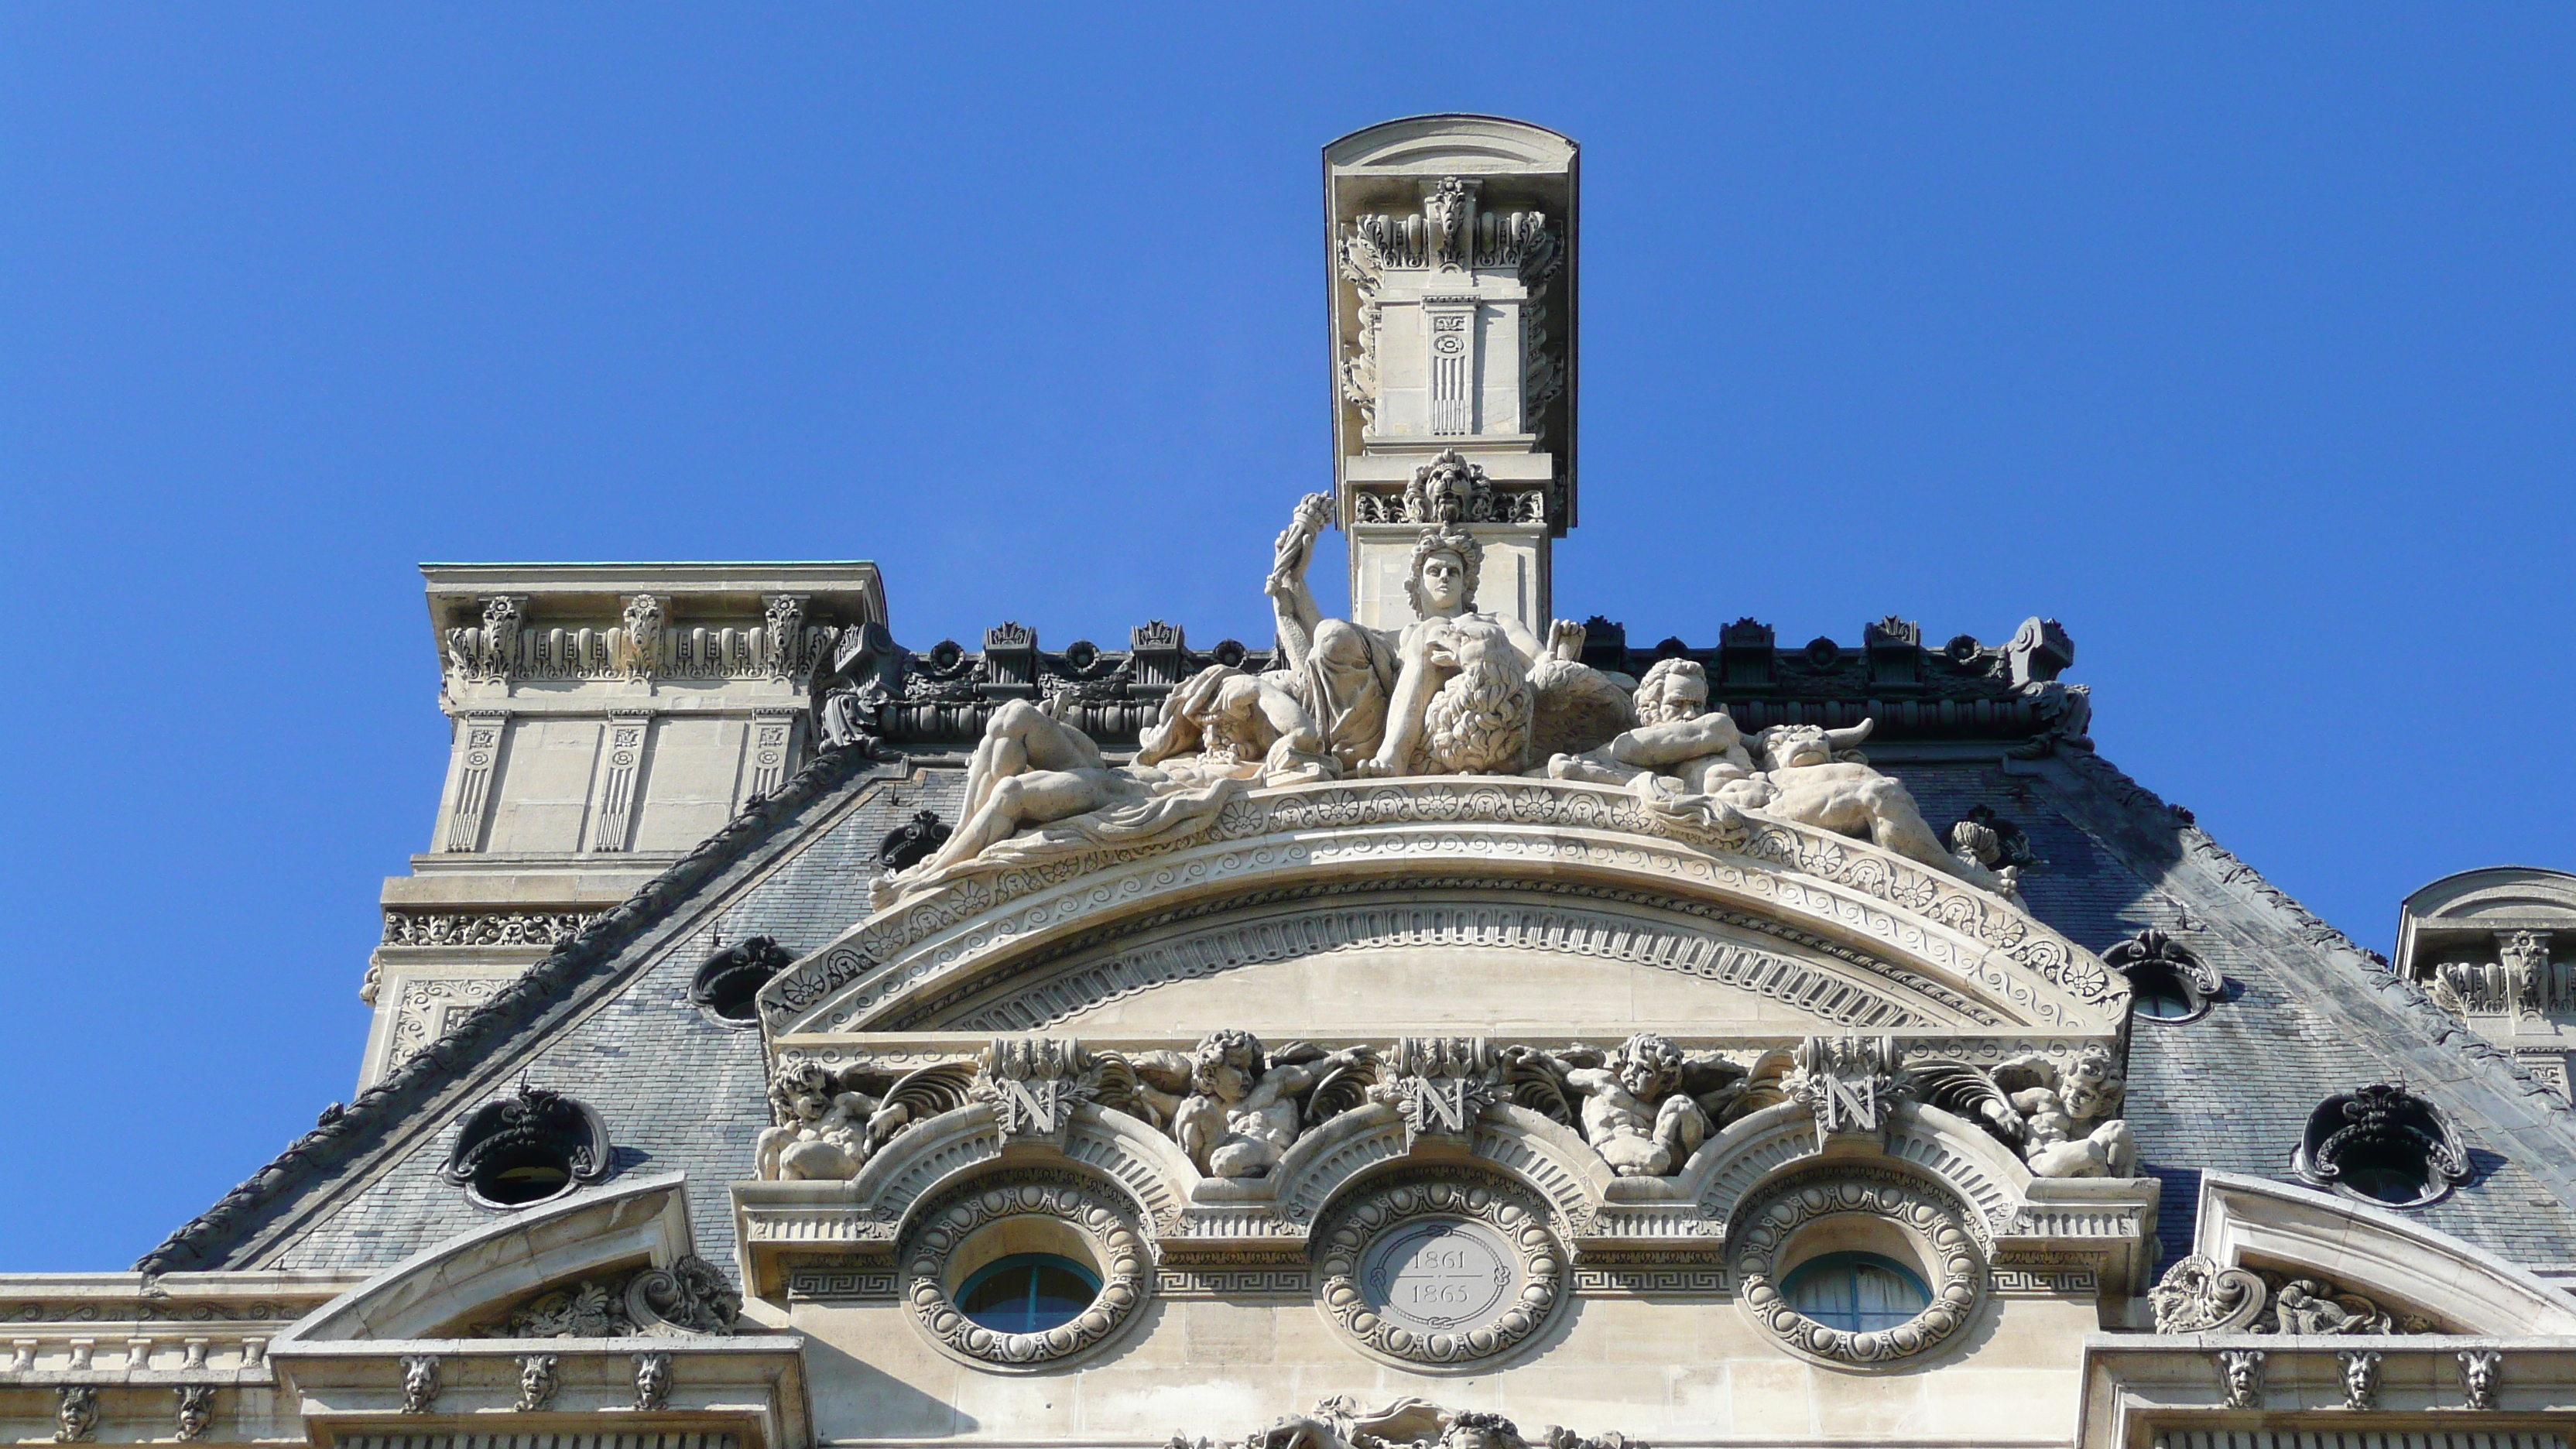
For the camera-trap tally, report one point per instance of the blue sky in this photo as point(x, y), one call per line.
point(2237, 338)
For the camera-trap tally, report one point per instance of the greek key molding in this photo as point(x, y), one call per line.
point(843, 1285)
point(1764, 1226)
point(1118, 1245)
point(1345, 1238)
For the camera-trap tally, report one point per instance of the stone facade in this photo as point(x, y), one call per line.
point(1447, 1027)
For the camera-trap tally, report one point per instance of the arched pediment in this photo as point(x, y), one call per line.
point(443, 1291)
point(2400, 1264)
point(1834, 933)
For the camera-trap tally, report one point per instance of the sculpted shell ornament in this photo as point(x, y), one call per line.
point(1767, 1224)
point(1118, 1247)
point(1346, 1238)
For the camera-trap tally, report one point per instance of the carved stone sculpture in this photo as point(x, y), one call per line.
point(1635, 1112)
point(1848, 1082)
point(1032, 770)
point(75, 1413)
point(2240, 1370)
point(1341, 1423)
point(828, 1123)
point(1812, 776)
point(420, 1382)
point(1243, 1110)
point(1451, 693)
point(652, 1382)
point(196, 1411)
point(538, 1381)
point(2360, 1380)
point(2064, 1124)
point(2478, 1369)
point(1222, 723)
point(1677, 736)
point(688, 1298)
point(2198, 1296)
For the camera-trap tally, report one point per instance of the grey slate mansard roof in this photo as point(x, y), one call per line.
point(605, 1017)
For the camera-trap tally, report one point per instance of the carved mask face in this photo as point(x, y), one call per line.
point(1444, 583)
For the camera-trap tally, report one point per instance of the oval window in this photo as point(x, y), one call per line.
point(2159, 995)
point(1856, 1292)
point(1027, 1293)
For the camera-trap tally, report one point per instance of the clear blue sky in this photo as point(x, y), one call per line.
point(2238, 339)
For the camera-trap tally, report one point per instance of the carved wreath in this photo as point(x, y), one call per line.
point(1105, 1222)
point(1361, 1221)
point(1766, 1224)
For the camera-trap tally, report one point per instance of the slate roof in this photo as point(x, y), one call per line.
point(606, 1019)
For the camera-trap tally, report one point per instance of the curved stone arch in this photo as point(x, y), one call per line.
point(1849, 989)
point(2383, 1255)
point(1328, 1158)
point(1546, 1159)
point(1149, 1165)
point(926, 1157)
point(437, 1291)
point(1550, 1157)
point(1741, 1161)
point(1481, 832)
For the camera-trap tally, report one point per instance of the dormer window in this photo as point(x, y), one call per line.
point(2167, 983)
point(2382, 1144)
point(727, 988)
point(528, 1148)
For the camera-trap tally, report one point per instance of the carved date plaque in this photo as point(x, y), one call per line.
point(1439, 1273)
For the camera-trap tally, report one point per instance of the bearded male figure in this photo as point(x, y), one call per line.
point(1677, 736)
point(1449, 693)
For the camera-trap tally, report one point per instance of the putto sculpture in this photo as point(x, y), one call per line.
point(1243, 1110)
point(1635, 1113)
point(2065, 1123)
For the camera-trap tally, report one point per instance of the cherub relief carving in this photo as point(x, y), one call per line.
point(2063, 1124)
point(1638, 1107)
point(1243, 1109)
point(830, 1123)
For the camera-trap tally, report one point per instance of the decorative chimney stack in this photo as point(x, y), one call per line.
point(1451, 241)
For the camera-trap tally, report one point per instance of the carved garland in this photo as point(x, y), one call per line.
point(1104, 1221)
point(1764, 1226)
point(1522, 1223)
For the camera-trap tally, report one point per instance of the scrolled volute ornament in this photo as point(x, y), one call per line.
point(688, 1297)
point(2196, 1295)
point(1765, 1226)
